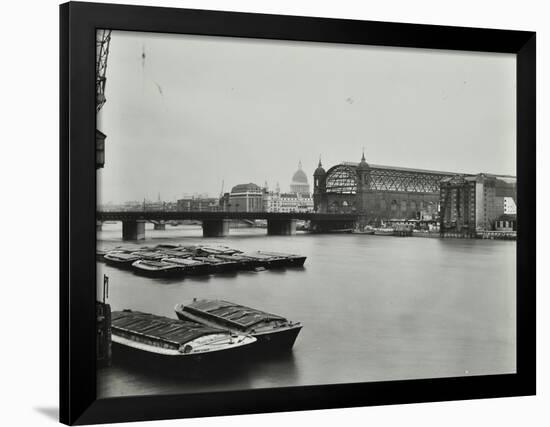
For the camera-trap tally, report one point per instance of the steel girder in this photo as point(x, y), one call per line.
point(342, 179)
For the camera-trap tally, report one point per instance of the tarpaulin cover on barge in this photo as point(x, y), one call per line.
point(170, 332)
point(231, 314)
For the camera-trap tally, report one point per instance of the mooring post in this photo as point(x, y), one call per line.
point(103, 323)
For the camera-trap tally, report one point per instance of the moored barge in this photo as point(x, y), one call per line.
point(120, 259)
point(195, 260)
point(385, 231)
point(155, 268)
point(291, 260)
point(159, 337)
point(215, 250)
point(218, 265)
point(273, 332)
point(189, 266)
point(243, 262)
point(149, 255)
point(266, 260)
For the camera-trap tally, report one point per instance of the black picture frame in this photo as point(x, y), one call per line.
point(78, 22)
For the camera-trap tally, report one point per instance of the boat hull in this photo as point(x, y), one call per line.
point(383, 233)
point(297, 261)
point(277, 340)
point(222, 267)
point(241, 263)
point(126, 354)
point(175, 272)
point(126, 264)
point(286, 260)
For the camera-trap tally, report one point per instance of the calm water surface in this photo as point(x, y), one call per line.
point(373, 308)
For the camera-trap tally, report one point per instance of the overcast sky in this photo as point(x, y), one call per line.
point(198, 110)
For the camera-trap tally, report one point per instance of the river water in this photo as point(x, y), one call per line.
point(373, 308)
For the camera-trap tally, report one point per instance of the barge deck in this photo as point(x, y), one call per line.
point(144, 334)
point(273, 332)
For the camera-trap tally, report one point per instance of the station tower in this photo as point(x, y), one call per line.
point(363, 195)
point(320, 189)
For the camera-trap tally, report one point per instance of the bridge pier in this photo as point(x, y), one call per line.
point(216, 223)
point(133, 230)
point(281, 227)
point(215, 227)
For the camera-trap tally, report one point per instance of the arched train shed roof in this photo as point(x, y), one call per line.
point(342, 179)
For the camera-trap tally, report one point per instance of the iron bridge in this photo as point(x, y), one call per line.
point(205, 216)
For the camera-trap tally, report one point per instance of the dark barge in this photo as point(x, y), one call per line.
point(291, 260)
point(146, 335)
point(178, 261)
point(273, 332)
point(120, 259)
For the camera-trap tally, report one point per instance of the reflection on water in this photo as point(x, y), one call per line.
point(373, 308)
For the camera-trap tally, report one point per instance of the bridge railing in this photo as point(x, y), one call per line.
point(218, 215)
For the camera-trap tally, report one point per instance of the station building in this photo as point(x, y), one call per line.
point(378, 193)
point(389, 194)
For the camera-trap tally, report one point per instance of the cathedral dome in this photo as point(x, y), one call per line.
point(299, 177)
point(299, 183)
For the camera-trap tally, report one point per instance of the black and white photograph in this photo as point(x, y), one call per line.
point(275, 213)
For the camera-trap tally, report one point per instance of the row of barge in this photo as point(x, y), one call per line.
point(204, 330)
point(180, 260)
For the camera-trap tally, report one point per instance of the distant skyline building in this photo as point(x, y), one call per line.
point(458, 205)
point(198, 204)
point(475, 203)
point(275, 201)
point(299, 199)
point(299, 183)
point(251, 197)
point(510, 207)
point(246, 198)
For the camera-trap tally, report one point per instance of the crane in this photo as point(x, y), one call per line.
point(103, 39)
